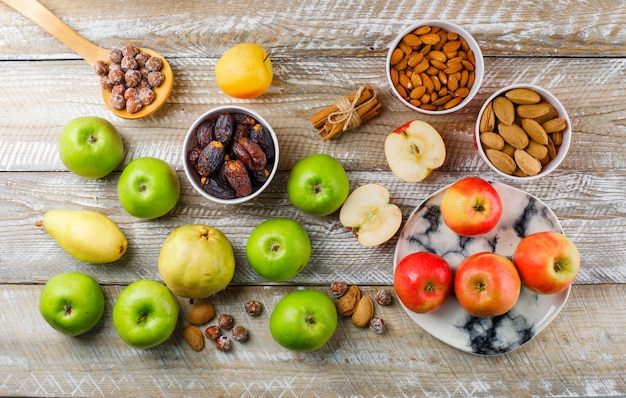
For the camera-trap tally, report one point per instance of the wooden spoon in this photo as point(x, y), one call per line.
point(49, 22)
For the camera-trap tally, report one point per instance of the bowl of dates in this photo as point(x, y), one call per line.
point(230, 154)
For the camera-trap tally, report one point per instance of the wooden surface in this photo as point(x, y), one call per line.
point(320, 50)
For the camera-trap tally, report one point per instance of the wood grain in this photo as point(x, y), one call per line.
point(403, 361)
point(320, 51)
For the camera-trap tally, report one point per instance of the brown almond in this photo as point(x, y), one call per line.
point(519, 173)
point(509, 150)
point(451, 46)
point(492, 140)
point(554, 125)
point(193, 337)
point(452, 103)
point(527, 163)
point(346, 305)
point(523, 96)
point(513, 135)
point(557, 138)
point(535, 131)
point(533, 111)
point(422, 30)
point(412, 40)
point(487, 120)
point(504, 110)
point(552, 113)
point(363, 313)
point(537, 150)
point(501, 160)
point(415, 59)
point(201, 312)
point(396, 56)
point(551, 149)
point(430, 38)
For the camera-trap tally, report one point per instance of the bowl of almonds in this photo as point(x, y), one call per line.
point(523, 132)
point(230, 154)
point(435, 67)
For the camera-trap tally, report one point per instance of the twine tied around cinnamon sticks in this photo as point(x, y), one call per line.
point(346, 113)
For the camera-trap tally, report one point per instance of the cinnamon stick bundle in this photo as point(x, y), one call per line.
point(347, 113)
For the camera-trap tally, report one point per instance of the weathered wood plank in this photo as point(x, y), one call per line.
point(34, 109)
point(405, 360)
point(589, 207)
point(348, 28)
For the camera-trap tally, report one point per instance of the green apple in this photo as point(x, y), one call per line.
point(72, 303)
point(318, 184)
point(148, 188)
point(303, 320)
point(145, 313)
point(278, 249)
point(90, 147)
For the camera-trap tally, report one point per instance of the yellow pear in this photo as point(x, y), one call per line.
point(196, 261)
point(87, 235)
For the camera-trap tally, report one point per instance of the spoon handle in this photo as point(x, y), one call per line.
point(49, 22)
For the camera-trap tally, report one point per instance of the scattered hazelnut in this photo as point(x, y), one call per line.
point(377, 325)
point(223, 343)
point(213, 332)
point(383, 297)
point(239, 333)
point(338, 288)
point(254, 308)
point(225, 321)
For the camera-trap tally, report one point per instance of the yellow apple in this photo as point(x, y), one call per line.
point(244, 71)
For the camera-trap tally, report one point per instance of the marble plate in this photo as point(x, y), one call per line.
point(522, 214)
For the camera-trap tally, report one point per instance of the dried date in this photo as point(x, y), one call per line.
point(218, 189)
point(262, 137)
point(224, 128)
point(210, 158)
point(204, 133)
point(238, 178)
point(250, 154)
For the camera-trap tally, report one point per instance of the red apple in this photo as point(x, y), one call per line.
point(471, 207)
point(547, 262)
point(413, 150)
point(487, 284)
point(423, 281)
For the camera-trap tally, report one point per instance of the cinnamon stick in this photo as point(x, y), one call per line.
point(347, 113)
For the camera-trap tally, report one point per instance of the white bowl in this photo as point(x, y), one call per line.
point(479, 68)
point(561, 150)
point(191, 142)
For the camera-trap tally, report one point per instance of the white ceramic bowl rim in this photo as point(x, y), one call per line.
point(561, 111)
point(191, 174)
point(450, 27)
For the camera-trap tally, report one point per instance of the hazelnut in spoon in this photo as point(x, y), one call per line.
point(91, 53)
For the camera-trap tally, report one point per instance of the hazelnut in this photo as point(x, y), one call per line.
point(383, 297)
point(338, 288)
point(212, 332)
point(254, 308)
point(225, 321)
point(239, 333)
point(223, 343)
point(377, 325)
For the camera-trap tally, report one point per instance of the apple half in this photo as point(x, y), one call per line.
point(413, 150)
point(369, 214)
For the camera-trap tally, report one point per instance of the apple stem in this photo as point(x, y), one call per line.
point(310, 320)
point(92, 139)
point(68, 309)
point(558, 266)
point(143, 318)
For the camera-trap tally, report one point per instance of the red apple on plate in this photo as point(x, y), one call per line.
point(487, 284)
point(423, 281)
point(413, 150)
point(547, 262)
point(370, 216)
point(471, 206)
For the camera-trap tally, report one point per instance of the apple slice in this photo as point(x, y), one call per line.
point(413, 150)
point(370, 216)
